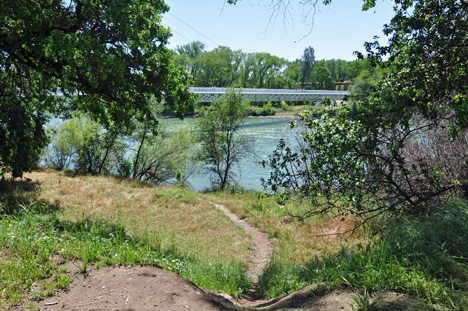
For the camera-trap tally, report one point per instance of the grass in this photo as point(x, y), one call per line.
point(363, 302)
point(176, 216)
point(105, 221)
point(427, 260)
point(294, 242)
point(35, 243)
point(42, 227)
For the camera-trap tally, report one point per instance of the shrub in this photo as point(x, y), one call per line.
point(81, 144)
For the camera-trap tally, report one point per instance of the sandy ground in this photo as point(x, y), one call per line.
point(130, 288)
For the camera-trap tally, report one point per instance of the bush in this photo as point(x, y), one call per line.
point(159, 158)
point(81, 144)
point(150, 153)
point(285, 106)
point(266, 110)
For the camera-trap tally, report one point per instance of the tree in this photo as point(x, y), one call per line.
point(188, 55)
point(218, 67)
point(401, 148)
point(247, 70)
point(292, 74)
point(105, 58)
point(307, 64)
point(321, 77)
point(157, 153)
point(22, 133)
point(221, 144)
point(226, 68)
point(162, 157)
point(363, 83)
point(154, 154)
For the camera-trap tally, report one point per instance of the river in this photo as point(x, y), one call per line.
point(267, 132)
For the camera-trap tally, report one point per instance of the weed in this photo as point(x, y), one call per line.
point(83, 267)
point(362, 302)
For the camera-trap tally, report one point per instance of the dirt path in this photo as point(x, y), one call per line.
point(260, 249)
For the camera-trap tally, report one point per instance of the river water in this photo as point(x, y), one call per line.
point(266, 132)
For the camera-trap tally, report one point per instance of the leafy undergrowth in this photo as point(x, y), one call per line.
point(426, 259)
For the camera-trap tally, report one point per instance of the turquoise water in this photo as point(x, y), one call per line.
point(267, 132)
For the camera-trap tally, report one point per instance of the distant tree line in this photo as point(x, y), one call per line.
point(224, 67)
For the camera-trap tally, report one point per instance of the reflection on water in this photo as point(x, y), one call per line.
point(267, 133)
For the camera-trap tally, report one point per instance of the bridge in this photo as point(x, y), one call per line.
point(208, 94)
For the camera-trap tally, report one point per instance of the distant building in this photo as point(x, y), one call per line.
point(343, 85)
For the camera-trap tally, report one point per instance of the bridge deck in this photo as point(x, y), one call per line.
point(208, 94)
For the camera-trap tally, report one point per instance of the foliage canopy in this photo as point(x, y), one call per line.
point(105, 58)
point(401, 147)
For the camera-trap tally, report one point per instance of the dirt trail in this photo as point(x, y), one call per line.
point(260, 249)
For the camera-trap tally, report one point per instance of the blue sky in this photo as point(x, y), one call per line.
point(338, 29)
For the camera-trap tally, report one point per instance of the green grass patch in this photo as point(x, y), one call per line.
point(426, 259)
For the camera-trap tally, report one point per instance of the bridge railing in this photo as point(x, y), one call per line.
point(220, 90)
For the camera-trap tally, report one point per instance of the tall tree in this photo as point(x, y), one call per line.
point(321, 77)
point(104, 57)
point(307, 64)
point(247, 70)
point(264, 69)
point(292, 74)
point(188, 55)
point(219, 67)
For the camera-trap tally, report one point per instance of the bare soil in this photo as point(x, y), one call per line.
point(143, 288)
point(148, 288)
point(130, 288)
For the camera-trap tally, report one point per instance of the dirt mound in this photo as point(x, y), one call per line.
point(130, 288)
point(142, 288)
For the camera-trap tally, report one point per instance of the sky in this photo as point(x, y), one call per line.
point(337, 31)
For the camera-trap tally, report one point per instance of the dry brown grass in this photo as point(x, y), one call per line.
point(176, 218)
point(189, 222)
point(294, 242)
